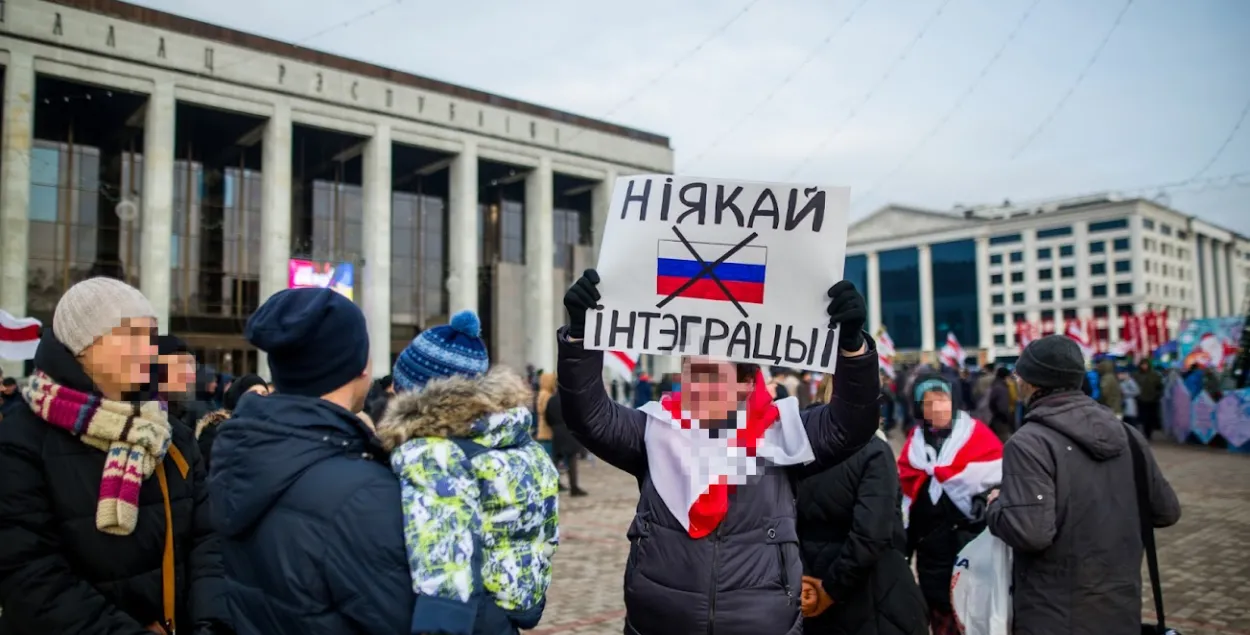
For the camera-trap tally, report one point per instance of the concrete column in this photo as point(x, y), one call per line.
point(1113, 323)
point(1080, 238)
point(1209, 307)
point(926, 299)
point(601, 202)
point(377, 248)
point(156, 241)
point(462, 231)
point(19, 120)
point(1138, 252)
point(985, 323)
point(275, 220)
point(540, 323)
point(873, 292)
point(1231, 277)
point(1219, 279)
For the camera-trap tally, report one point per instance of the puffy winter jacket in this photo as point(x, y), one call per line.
point(1077, 549)
point(480, 501)
point(309, 512)
point(745, 577)
point(852, 539)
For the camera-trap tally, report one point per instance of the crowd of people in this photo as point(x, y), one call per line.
point(143, 493)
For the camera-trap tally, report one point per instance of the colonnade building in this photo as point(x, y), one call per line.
point(978, 271)
point(197, 162)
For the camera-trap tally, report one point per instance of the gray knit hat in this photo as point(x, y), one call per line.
point(94, 307)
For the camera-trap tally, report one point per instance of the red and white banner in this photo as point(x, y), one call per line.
point(1026, 332)
point(885, 353)
point(1076, 331)
point(952, 353)
point(19, 337)
point(621, 364)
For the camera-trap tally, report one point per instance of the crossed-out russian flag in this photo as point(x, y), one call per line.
point(742, 273)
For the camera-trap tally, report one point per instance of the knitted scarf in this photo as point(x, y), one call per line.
point(134, 437)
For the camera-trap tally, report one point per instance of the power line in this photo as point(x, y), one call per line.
point(1093, 59)
point(1227, 140)
point(811, 56)
point(334, 27)
point(1191, 185)
point(945, 118)
point(872, 91)
point(674, 66)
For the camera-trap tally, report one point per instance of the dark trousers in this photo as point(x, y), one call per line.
point(1148, 417)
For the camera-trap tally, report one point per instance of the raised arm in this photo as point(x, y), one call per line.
point(841, 427)
point(613, 432)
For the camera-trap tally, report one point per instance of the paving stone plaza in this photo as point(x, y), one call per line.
point(1205, 558)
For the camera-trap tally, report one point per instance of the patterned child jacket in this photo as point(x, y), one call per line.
point(480, 501)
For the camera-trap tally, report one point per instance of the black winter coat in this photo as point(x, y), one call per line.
point(851, 536)
point(311, 521)
point(61, 575)
point(745, 577)
point(563, 444)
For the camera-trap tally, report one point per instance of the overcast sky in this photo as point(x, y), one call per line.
point(896, 117)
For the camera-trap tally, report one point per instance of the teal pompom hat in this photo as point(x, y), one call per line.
point(454, 350)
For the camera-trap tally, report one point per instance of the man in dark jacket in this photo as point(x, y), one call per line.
point(1078, 547)
point(1001, 409)
point(1150, 382)
point(731, 565)
point(302, 491)
point(10, 397)
point(74, 558)
point(180, 380)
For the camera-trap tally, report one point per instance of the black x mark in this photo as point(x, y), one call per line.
point(708, 270)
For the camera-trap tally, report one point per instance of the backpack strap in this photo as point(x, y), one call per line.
point(1141, 479)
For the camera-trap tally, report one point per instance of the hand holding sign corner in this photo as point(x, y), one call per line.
point(735, 270)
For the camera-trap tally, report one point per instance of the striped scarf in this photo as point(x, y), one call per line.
point(134, 436)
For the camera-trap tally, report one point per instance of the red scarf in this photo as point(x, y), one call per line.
point(710, 507)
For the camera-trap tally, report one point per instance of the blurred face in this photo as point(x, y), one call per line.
point(179, 374)
point(937, 409)
point(259, 389)
point(211, 386)
point(122, 360)
point(8, 389)
point(710, 389)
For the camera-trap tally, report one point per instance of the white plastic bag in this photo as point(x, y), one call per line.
point(981, 587)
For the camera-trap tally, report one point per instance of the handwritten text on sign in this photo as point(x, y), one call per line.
point(728, 269)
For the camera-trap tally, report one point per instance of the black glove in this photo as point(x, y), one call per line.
point(847, 309)
point(581, 297)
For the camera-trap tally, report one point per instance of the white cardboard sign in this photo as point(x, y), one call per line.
point(734, 270)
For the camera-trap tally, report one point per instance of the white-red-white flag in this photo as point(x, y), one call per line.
point(885, 353)
point(621, 364)
point(952, 353)
point(1076, 331)
point(1026, 332)
point(19, 337)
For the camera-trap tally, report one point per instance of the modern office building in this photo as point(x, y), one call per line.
point(198, 162)
point(976, 272)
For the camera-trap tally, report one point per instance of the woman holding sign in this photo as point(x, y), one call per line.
point(713, 544)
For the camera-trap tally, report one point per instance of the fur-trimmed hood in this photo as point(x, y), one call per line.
point(492, 410)
point(211, 419)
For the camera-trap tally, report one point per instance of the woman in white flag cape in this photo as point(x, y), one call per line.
point(713, 544)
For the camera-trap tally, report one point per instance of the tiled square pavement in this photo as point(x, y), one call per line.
point(1205, 559)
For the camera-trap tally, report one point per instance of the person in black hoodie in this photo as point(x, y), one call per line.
point(852, 542)
point(302, 491)
point(180, 380)
point(104, 524)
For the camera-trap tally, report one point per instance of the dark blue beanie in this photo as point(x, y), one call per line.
point(316, 340)
point(443, 351)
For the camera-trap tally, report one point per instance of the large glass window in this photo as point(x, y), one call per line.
point(855, 269)
point(900, 295)
point(570, 231)
point(1108, 225)
point(955, 302)
point(1054, 232)
point(418, 259)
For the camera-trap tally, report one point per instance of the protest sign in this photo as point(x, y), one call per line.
point(727, 269)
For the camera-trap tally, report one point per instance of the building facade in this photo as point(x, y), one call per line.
point(978, 272)
point(196, 162)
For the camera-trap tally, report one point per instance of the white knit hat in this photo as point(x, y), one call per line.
point(93, 308)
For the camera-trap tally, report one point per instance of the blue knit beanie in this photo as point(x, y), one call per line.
point(443, 351)
point(316, 339)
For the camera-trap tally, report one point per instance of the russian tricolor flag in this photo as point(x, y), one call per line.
point(742, 273)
